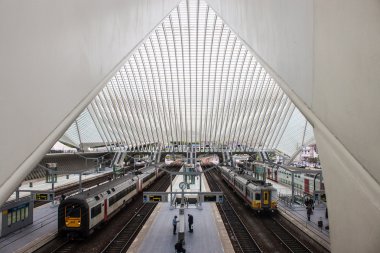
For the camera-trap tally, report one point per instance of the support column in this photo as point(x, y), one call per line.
point(292, 187)
point(80, 182)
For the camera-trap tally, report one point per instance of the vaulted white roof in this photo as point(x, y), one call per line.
point(192, 80)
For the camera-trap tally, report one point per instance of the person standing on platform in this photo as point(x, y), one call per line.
point(175, 221)
point(308, 211)
point(191, 221)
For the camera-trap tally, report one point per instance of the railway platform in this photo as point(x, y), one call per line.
point(62, 181)
point(31, 237)
point(209, 233)
point(318, 226)
point(44, 226)
point(156, 235)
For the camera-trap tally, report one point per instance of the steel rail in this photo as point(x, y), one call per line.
point(245, 241)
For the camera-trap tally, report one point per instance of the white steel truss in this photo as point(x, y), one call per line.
point(192, 81)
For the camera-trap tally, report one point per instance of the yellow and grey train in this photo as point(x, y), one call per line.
point(80, 214)
point(259, 195)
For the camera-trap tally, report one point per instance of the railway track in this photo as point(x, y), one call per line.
point(65, 247)
point(125, 237)
point(286, 237)
point(241, 239)
point(283, 235)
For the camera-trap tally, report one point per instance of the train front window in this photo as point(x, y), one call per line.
point(73, 211)
point(257, 196)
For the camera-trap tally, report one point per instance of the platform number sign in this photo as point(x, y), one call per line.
point(209, 198)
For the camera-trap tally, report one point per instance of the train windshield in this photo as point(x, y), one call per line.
point(73, 211)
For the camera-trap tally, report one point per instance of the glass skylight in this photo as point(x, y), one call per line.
point(192, 81)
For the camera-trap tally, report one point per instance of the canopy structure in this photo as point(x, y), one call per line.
point(128, 73)
point(192, 81)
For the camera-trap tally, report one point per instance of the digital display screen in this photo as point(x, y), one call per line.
point(209, 198)
point(155, 198)
point(41, 196)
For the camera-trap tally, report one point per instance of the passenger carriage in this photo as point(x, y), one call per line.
point(259, 195)
point(80, 214)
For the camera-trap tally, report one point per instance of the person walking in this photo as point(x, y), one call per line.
point(175, 221)
point(191, 220)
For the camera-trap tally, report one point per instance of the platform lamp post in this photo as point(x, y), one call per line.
point(181, 233)
point(292, 200)
point(315, 177)
point(51, 174)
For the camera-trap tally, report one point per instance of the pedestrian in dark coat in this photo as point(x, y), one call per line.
point(308, 211)
point(191, 221)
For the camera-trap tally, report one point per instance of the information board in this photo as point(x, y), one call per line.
point(154, 197)
point(216, 197)
point(43, 196)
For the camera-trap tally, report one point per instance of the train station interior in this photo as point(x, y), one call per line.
point(117, 116)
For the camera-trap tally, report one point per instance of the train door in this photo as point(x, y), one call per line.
point(265, 195)
point(306, 185)
point(105, 210)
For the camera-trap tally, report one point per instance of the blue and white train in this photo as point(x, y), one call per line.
point(80, 214)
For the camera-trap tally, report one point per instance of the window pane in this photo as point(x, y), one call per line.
point(9, 218)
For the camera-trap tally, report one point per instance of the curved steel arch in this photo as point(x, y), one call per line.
point(193, 80)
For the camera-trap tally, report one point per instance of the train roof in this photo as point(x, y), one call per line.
point(253, 180)
point(101, 188)
point(241, 179)
point(227, 167)
point(298, 170)
point(109, 185)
